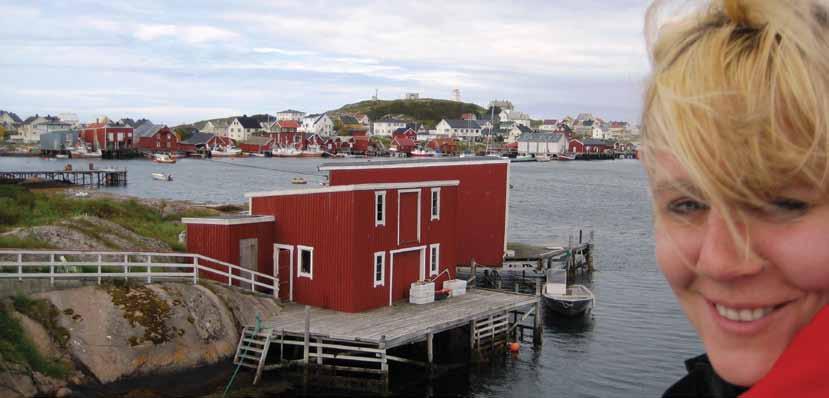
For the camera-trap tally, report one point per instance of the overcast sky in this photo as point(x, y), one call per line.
point(183, 61)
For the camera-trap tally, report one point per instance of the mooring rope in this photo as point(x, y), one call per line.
point(269, 169)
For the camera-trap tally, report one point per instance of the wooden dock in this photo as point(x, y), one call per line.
point(365, 343)
point(90, 178)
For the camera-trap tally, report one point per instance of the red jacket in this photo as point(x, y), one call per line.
point(802, 370)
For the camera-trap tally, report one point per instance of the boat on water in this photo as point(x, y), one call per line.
point(543, 158)
point(313, 151)
point(285, 152)
point(522, 158)
point(226, 151)
point(162, 176)
point(566, 156)
point(257, 154)
point(422, 153)
point(298, 180)
point(558, 297)
point(61, 156)
point(81, 151)
point(163, 158)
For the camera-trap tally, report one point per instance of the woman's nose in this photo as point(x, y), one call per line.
point(723, 255)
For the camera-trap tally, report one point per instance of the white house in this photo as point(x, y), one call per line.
point(36, 125)
point(516, 131)
point(289, 114)
point(242, 127)
point(217, 127)
point(387, 126)
point(549, 125)
point(598, 133)
point(469, 129)
point(542, 143)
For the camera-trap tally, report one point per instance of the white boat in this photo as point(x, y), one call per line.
point(298, 180)
point(226, 151)
point(543, 158)
point(163, 158)
point(285, 152)
point(522, 158)
point(573, 300)
point(61, 156)
point(422, 153)
point(162, 177)
point(566, 156)
point(313, 151)
point(81, 151)
point(257, 154)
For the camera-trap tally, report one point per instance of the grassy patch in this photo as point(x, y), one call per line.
point(20, 207)
point(14, 242)
point(16, 347)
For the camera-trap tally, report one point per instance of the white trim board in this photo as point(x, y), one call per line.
point(395, 165)
point(228, 221)
point(357, 187)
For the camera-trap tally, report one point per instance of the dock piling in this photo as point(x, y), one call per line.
point(538, 328)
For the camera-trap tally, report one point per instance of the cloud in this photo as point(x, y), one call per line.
point(188, 34)
point(271, 50)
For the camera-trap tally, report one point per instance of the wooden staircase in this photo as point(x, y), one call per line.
point(253, 349)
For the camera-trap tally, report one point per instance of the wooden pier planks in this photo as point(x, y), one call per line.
point(403, 323)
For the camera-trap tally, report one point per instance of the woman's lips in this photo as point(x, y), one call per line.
point(744, 319)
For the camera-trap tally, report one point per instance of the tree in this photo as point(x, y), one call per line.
point(2, 133)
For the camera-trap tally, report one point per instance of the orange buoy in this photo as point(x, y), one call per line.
point(514, 347)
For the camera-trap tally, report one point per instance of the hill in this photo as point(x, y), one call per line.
point(200, 124)
point(427, 111)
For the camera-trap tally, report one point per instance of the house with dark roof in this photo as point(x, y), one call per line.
point(9, 119)
point(516, 131)
point(289, 114)
point(155, 138)
point(459, 128)
point(589, 145)
point(201, 141)
point(542, 143)
point(242, 127)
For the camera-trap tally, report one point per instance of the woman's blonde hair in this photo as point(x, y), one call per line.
point(739, 95)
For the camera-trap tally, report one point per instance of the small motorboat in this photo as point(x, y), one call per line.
point(62, 156)
point(422, 153)
point(163, 158)
point(543, 158)
point(226, 151)
point(298, 180)
point(566, 156)
point(572, 301)
point(313, 151)
point(286, 152)
point(522, 158)
point(162, 177)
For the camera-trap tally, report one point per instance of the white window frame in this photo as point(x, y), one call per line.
point(299, 273)
point(434, 259)
point(434, 208)
point(382, 281)
point(382, 220)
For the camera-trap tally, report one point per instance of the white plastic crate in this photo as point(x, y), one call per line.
point(456, 286)
point(422, 293)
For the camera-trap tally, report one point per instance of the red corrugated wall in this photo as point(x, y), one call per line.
point(482, 195)
point(324, 222)
point(340, 227)
point(222, 243)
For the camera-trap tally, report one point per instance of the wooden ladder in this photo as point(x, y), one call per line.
point(253, 349)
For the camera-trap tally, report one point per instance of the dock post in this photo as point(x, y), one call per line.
point(474, 276)
point(473, 356)
point(307, 336)
point(430, 352)
point(538, 328)
point(384, 364)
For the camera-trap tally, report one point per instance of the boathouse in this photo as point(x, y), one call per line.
point(361, 242)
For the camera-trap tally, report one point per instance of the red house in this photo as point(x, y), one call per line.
point(359, 243)
point(108, 136)
point(199, 141)
point(155, 138)
point(405, 132)
point(402, 144)
point(588, 145)
point(287, 126)
point(446, 146)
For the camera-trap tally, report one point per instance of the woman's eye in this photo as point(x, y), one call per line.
point(787, 206)
point(686, 206)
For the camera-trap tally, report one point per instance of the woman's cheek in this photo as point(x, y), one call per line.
point(675, 256)
point(801, 253)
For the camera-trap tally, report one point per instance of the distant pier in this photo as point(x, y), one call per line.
point(87, 178)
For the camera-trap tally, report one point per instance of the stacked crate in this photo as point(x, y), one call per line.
point(456, 286)
point(422, 292)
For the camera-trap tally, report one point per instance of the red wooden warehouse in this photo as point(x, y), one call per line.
point(361, 242)
point(155, 138)
point(108, 136)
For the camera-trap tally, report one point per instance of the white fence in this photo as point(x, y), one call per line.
point(63, 264)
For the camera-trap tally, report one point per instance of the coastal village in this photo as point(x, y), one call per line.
point(466, 129)
point(394, 264)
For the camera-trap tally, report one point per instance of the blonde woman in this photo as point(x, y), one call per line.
point(736, 144)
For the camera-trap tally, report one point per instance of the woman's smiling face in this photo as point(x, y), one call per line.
point(746, 302)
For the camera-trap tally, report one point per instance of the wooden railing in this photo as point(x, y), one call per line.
point(67, 264)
